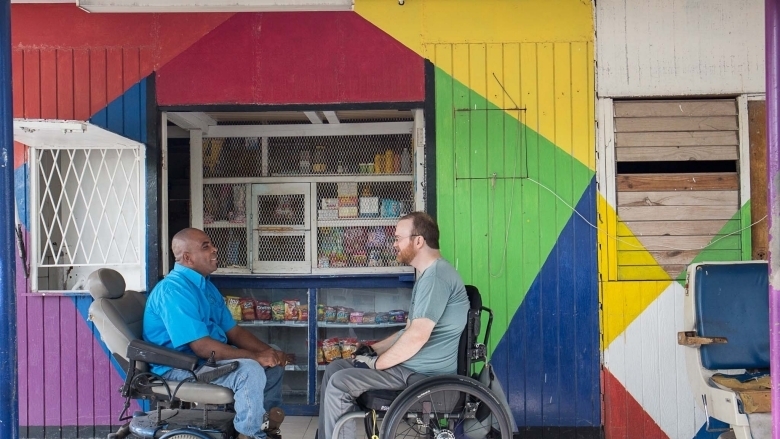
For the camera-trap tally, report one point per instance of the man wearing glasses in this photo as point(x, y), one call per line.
point(428, 345)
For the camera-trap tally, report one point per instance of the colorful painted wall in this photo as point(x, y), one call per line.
point(515, 190)
point(515, 158)
point(68, 64)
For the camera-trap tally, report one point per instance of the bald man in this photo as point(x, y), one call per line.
point(186, 312)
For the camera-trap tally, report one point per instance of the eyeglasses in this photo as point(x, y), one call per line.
point(399, 238)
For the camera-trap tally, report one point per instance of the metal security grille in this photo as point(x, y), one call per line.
point(284, 248)
point(89, 205)
point(225, 221)
point(356, 222)
point(281, 210)
point(232, 157)
point(333, 155)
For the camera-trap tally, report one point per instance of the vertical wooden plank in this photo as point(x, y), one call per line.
point(23, 359)
point(758, 178)
point(52, 364)
point(102, 390)
point(462, 192)
point(648, 320)
point(48, 84)
point(114, 90)
point(478, 105)
point(131, 67)
point(69, 318)
point(32, 83)
point(146, 58)
point(65, 84)
point(495, 271)
point(17, 75)
point(81, 88)
point(445, 148)
point(84, 375)
point(36, 360)
point(567, 361)
point(98, 82)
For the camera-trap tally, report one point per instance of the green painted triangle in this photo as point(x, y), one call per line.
point(498, 225)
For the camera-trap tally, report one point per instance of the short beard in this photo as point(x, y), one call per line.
point(405, 256)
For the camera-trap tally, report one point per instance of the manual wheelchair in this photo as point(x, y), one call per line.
point(440, 407)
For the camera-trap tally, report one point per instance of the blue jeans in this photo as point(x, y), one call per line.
point(255, 391)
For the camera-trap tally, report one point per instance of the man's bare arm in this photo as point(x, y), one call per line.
point(244, 339)
point(203, 347)
point(409, 343)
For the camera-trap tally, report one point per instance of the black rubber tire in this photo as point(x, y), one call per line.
point(422, 390)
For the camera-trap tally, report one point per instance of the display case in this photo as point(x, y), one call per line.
point(320, 200)
point(317, 325)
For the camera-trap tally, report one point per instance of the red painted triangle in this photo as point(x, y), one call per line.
point(624, 417)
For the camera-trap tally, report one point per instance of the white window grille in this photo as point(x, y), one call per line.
point(87, 212)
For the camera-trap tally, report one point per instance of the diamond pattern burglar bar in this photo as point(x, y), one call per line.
point(88, 207)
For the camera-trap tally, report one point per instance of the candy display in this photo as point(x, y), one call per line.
point(357, 246)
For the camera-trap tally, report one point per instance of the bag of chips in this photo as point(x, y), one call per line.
point(348, 347)
point(247, 308)
point(303, 313)
point(234, 306)
point(291, 309)
point(320, 355)
point(277, 311)
point(331, 349)
point(262, 310)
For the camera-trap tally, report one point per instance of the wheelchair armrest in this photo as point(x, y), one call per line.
point(139, 350)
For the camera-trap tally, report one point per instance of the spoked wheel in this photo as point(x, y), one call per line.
point(446, 408)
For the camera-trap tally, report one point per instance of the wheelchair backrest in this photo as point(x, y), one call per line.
point(117, 314)
point(470, 334)
point(732, 300)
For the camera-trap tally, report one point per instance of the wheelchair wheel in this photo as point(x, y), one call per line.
point(452, 407)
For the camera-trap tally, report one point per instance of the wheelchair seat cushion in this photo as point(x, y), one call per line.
point(732, 301)
point(202, 393)
point(378, 400)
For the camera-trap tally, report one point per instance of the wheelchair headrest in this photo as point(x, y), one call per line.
point(106, 283)
point(475, 299)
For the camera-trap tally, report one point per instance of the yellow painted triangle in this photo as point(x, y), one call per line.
point(623, 301)
point(533, 55)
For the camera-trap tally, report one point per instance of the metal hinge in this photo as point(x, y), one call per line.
point(689, 338)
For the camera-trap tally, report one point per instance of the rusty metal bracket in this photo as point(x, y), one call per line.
point(689, 338)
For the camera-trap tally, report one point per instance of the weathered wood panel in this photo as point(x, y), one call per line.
point(695, 242)
point(663, 214)
point(675, 153)
point(699, 107)
point(698, 198)
point(671, 257)
point(677, 138)
point(707, 181)
point(679, 48)
point(758, 178)
point(675, 228)
point(644, 124)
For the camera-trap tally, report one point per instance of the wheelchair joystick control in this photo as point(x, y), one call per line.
point(211, 362)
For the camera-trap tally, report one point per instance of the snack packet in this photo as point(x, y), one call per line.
point(331, 349)
point(262, 310)
point(303, 313)
point(277, 311)
point(330, 314)
point(291, 309)
point(348, 347)
point(233, 304)
point(247, 305)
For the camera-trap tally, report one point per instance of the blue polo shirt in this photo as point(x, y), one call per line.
point(182, 308)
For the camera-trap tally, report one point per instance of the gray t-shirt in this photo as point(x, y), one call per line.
point(439, 295)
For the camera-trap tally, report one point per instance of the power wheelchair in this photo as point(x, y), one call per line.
point(441, 407)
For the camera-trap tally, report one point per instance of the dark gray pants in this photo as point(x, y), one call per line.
point(343, 383)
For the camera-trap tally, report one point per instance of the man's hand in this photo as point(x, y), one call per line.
point(364, 349)
point(365, 362)
point(268, 358)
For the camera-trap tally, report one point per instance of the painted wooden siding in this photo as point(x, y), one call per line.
point(67, 382)
point(505, 196)
point(679, 48)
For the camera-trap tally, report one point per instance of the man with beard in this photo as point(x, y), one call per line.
point(428, 345)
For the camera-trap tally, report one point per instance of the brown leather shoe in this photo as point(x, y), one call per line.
point(272, 420)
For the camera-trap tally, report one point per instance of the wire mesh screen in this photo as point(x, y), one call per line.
point(90, 206)
point(224, 220)
point(232, 157)
point(281, 248)
point(356, 222)
point(369, 154)
point(281, 210)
